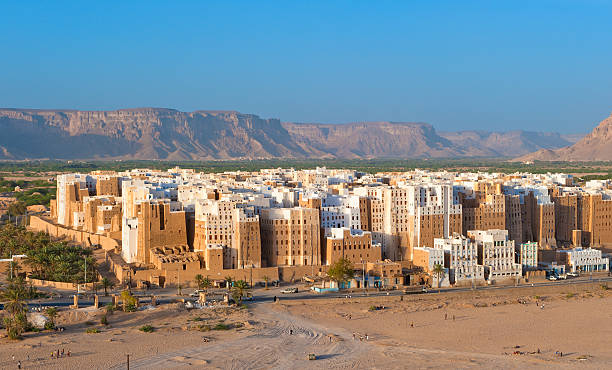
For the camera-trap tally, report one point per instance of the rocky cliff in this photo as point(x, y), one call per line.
point(596, 146)
point(155, 133)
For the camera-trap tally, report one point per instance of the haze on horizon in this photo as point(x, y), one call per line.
point(469, 65)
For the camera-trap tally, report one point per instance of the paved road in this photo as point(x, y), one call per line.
point(262, 295)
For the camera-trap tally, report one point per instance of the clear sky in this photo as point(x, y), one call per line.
point(493, 65)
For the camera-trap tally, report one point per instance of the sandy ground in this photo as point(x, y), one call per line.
point(488, 327)
point(175, 328)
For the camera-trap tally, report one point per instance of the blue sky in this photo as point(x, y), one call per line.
point(491, 65)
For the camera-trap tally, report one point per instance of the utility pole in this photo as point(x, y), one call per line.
point(363, 276)
point(128, 362)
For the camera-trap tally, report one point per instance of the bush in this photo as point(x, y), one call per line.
point(373, 308)
point(147, 329)
point(104, 320)
point(92, 331)
point(604, 287)
point(198, 319)
point(13, 333)
point(221, 326)
point(109, 308)
point(49, 325)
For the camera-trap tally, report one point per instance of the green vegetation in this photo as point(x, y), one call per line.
point(147, 329)
point(221, 326)
point(569, 295)
point(239, 291)
point(92, 331)
point(604, 287)
point(106, 283)
point(32, 191)
point(104, 320)
point(49, 260)
point(129, 301)
point(341, 271)
point(439, 273)
point(14, 296)
point(40, 167)
point(203, 282)
point(110, 308)
point(52, 313)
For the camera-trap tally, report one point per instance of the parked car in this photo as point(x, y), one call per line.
point(573, 274)
point(289, 290)
point(552, 278)
point(196, 293)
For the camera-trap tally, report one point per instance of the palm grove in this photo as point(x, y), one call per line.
point(47, 260)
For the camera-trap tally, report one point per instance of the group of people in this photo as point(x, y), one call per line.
point(58, 354)
point(361, 337)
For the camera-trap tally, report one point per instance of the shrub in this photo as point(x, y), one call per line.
point(536, 297)
point(13, 333)
point(221, 326)
point(569, 295)
point(109, 308)
point(146, 329)
point(372, 308)
point(49, 325)
point(92, 331)
point(604, 287)
point(198, 319)
point(104, 320)
point(204, 328)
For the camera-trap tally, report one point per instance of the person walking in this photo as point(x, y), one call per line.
point(19, 364)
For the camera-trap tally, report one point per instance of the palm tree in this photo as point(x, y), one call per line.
point(106, 283)
point(206, 283)
point(266, 278)
point(199, 278)
point(14, 295)
point(240, 288)
point(229, 280)
point(438, 271)
point(52, 313)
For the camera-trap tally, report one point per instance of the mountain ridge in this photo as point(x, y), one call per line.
point(165, 133)
point(595, 146)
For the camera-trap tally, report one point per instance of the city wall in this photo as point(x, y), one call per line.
point(38, 223)
point(57, 284)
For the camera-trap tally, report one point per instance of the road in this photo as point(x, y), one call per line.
point(262, 295)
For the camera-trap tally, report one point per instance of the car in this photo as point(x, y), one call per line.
point(289, 290)
point(573, 274)
point(552, 278)
point(562, 277)
point(196, 293)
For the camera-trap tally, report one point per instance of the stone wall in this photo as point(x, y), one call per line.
point(38, 223)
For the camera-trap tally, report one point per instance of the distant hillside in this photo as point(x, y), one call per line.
point(156, 133)
point(511, 143)
point(596, 146)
